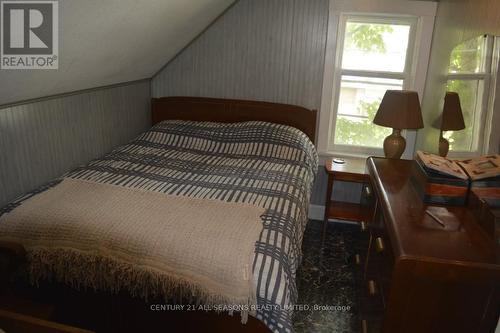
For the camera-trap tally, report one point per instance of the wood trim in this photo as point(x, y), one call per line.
point(13, 249)
point(232, 110)
point(72, 93)
point(11, 257)
point(16, 322)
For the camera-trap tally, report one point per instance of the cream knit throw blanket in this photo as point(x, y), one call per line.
point(110, 237)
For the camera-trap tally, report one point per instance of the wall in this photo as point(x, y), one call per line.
point(109, 42)
point(260, 50)
point(456, 22)
point(41, 140)
point(494, 144)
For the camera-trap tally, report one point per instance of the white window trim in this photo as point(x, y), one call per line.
point(406, 75)
point(489, 77)
point(424, 12)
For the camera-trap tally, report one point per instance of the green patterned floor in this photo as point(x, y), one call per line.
point(326, 279)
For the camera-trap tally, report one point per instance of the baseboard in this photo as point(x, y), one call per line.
point(317, 212)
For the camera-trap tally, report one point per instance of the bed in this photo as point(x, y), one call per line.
point(230, 151)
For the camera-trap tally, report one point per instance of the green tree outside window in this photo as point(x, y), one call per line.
point(469, 58)
point(361, 131)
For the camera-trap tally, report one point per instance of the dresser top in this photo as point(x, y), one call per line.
point(414, 233)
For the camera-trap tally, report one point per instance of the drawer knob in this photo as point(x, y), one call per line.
point(363, 226)
point(357, 259)
point(379, 245)
point(372, 288)
point(368, 191)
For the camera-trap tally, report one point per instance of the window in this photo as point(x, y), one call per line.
point(376, 56)
point(470, 75)
point(367, 54)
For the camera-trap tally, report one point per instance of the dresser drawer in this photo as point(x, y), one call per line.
point(368, 202)
point(380, 255)
point(377, 275)
point(371, 305)
point(383, 249)
point(375, 261)
point(371, 325)
point(362, 245)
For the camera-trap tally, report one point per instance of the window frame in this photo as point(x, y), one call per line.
point(480, 143)
point(404, 76)
point(421, 16)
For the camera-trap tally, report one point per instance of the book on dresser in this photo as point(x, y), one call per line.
point(439, 180)
point(440, 165)
point(477, 168)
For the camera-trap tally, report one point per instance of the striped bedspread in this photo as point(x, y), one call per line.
point(268, 165)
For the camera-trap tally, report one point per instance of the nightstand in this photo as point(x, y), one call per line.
point(353, 170)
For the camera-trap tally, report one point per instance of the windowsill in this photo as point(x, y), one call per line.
point(328, 154)
point(324, 155)
point(353, 151)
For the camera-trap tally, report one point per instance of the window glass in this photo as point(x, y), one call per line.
point(469, 75)
point(469, 57)
point(359, 100)
point(375, 51)
point(375, 46)
point(471, 97)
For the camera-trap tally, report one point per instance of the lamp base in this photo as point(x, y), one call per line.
point(444, 146)
point(394, 145)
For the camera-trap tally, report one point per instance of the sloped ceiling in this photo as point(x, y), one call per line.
point(104, 42)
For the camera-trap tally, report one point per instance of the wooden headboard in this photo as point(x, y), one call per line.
point(232, 111)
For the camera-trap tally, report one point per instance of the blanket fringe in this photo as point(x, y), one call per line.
point(82, 270)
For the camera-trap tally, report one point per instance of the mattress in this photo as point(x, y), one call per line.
point(267, 165)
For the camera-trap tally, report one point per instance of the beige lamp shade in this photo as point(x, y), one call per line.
point(452, 118)
point(399, 109)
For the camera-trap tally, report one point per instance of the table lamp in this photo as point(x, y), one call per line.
point(452, 119)
point(399, 109)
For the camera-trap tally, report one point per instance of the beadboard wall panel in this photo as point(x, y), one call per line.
point(260, 50)
point(494, 144)
point(42, 140)
point(269, 50)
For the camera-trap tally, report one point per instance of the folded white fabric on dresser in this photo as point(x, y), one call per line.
point(110, 237)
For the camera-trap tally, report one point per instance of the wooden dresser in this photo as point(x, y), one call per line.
point(420, 276)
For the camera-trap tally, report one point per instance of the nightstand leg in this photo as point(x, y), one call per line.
point(327, 207)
